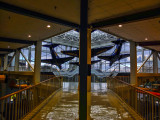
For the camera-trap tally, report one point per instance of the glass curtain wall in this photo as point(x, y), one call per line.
point(119, 66)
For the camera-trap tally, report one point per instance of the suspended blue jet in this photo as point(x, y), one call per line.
point(56, 60)
point(115, 56)
point(94, 52)
point(92, 62)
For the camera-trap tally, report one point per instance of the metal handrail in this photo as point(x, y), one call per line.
point(1, 98)
point(139, 89)
point(146, 104)
point(17, 105)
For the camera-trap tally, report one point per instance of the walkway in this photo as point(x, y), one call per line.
point(105, 106)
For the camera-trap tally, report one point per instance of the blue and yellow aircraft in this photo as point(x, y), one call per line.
point(92, 62)
point(94, 52)
point(56, 60)
point(115, 56)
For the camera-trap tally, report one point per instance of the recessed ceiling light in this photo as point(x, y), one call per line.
point(119, 25)
point(146, 38)
point(29, 36)
point(48, 26)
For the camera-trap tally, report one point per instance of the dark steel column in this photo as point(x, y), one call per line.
point(84, 68)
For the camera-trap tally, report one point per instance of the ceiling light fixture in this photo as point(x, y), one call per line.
point(48, 26)
point(146, 38)
point(29, 36)
point(119, 25)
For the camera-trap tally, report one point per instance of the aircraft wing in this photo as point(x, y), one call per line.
point(95, 61)
point(74, 63)
point(57, 62)
point(77, 63)
point(124, 56)
point(119, 41)
point(50, 45)
point(108, 58)
point(97, 51)
point(74, 53)
point(94, 52)
point(49, 61)
point(63, 60)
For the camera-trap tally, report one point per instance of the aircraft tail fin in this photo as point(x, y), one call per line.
point(50, 45)
point(74, 63)
point(110, 64)
point(92, 62)
point(53, 53)
point(56, 55)
point(119, 42)
point(95, 61)
point(59, 66)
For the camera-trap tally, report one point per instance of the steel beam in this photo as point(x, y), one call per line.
point(152, 13)
point(6, 50)
point(155, 62)
point(37, 62)
point(29, 13)
point(159, 57)
point(133, 63)
point(149, 43)
point(144, 62)
point(84, 68)
point(26, 60)
point(5, 62)
point(3, 39)
point(16, 68)
point(2, 55)
point(29, 57)
point(10, 61)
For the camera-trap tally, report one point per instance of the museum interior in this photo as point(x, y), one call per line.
point(80, 60)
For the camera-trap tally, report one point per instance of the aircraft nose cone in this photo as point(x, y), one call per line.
point(111, 47)
point(62, 52)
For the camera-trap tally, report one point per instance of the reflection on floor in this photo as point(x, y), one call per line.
point(105, 106)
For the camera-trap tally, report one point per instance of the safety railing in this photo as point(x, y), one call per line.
point(146, 104)
point(123, 78)
point(21, 68)
point(17, 105)
point(45, 77)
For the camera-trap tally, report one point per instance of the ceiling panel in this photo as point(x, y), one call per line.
point(18, 26)
point(100, 10)
point(138, 31)
point(11, 45)
point(3, 52)
point(155, 47)
point(68, 10)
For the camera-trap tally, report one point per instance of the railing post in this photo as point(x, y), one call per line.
point(16, 107)
point(152, 109)
point(2, 108)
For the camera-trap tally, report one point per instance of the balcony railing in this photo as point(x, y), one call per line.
point(17, 105)
point(146, 104)
point(123, 78)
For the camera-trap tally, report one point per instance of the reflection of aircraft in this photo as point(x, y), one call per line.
point(94, 52)
point(55, 58)
point(116, 54)
point(92, 62)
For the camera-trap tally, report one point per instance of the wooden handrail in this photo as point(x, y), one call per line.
point(6, 96)
point(138, 88)
point(122, 76)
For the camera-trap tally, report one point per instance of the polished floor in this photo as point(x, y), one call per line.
point(104, 106)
